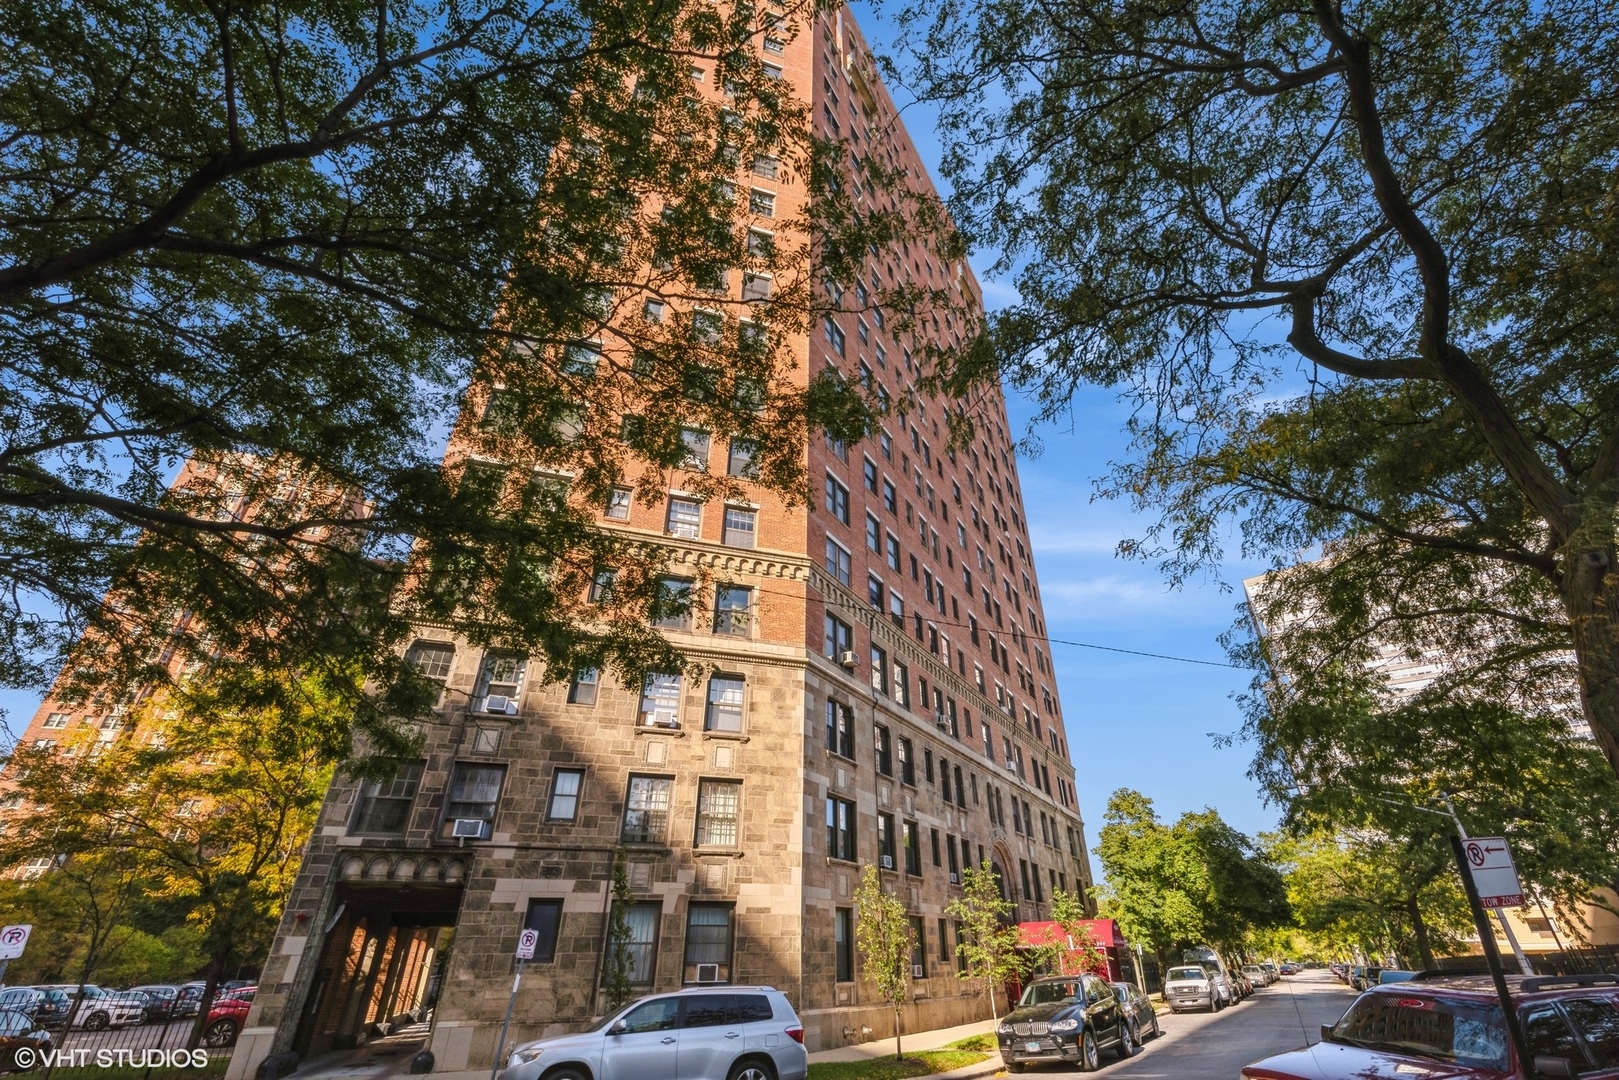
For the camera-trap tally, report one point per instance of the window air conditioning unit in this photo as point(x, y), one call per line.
point(708, 973)
point(940, 722)
point(916, 971)
point(499, 703)
point(469, 829)
point(662, 718)
point(848, 659)
point(955, 878)
point(888, 862)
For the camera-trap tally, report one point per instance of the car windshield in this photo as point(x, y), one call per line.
point(1048, 993)
point(1122, 991)
point(1187, 975)
point(1468, 1033)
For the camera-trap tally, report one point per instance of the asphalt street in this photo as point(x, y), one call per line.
point(1199, 1046)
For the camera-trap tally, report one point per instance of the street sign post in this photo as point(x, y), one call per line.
point(1494, 876)
point(526, 941)
point(1486, 937)
point(13, 940)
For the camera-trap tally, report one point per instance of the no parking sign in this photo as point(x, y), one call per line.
point(13, 939)
point(525, 944)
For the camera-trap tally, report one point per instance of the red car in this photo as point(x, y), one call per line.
point(1450, 1027)
point(227, 1016)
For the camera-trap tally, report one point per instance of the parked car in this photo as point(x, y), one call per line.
point(1291, 969)
point(161, 1002)
point(100, 1008)
point(188, 1000)
point(1451, 1027)
point(1256, 974)
point(44, 1006)
point(734, 1032)
point(1222, 982)
point(1271, 970)
point(1190, 987)
point(1389, 975)
point(1365, 977)
point(1241, 983)
point(17, 1031)
point(1138, 1010)
point(1071, 1019)
point(226, 1017)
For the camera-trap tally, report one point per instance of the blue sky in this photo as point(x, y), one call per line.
point(1132, 721)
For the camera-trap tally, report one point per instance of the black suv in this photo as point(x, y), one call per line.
point(1070, 1019)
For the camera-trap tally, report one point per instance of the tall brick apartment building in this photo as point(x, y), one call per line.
point(881, 694)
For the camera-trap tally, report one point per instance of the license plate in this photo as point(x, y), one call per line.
point(1032, 1047)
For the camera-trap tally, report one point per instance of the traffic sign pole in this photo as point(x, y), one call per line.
point(1492, 957)
point(1500, 916)
point(526, 941)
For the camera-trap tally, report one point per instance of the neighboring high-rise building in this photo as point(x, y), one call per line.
point(881, 694)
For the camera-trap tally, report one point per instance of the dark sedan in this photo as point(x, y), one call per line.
point(1067, 1019)
point(1138, 1010)
point(162, 1002)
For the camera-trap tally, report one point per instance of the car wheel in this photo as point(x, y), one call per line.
point(1129, 1045)
point(1156, 1030)
point(97, 1021)
point(220, 1033)
point(750, 1070)
point(1090, 1058)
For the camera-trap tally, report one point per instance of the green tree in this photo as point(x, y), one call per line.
point(1077, 952)
point(617, 962)
point(327, 228)
point(1311, 245)
point(211, 808)
point(991, 945)
point(1343, 761)
point(882, 933)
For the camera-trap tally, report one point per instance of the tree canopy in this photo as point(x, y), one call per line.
point(295, 241)
point(1352, 264)
point(1196, 882)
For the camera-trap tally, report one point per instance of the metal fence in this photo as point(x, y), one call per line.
point(1593, 960)
point(157, 1047)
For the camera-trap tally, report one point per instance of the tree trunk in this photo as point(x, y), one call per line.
point(1591, 601)
point(216, 973)
point(1420, 930)
point(899, 1025)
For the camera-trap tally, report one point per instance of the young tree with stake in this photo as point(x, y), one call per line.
point(882, 933)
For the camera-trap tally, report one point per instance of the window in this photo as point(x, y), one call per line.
point(582, 690)
point(756, 286)
point(1547, 1033)
point(764, 165)
point(601, 586)
point(893, 555)
point(840, 829)
point(882, 746)
point(837, 499)
point(660, 701)
point(731, 604)
point(431, 658)
point(885, 842)
point(642, 946)
point(837, 561)
point(685, 518)
point(671, 609)
point(902, 676)
point(719, 805)
point(843, 943)
point(1598, 1021)
point(890, 497)
point(646, 810)
point(874, 535)
point(739, 462)
point(870, 472)
point(565, 786)
point(762, 203)
point(933, 835)
point(874, 591)
point(839, 728)
point(59, 719)
point(724, 704)
point(907, 762)
point(740, 527)
point(474, 794)
point(879, 670)
point(545, 919)
point(919, 951)
point(839, 638)
point(709, 930)
point(385, 804)
point(500, 683)
point(695, 443)
point(618, 504)
point(911, 834)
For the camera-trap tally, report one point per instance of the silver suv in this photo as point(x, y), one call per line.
point(719, 1033)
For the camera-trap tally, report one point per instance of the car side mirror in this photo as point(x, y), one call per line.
point(1548, 1066)
point(1326, 1032)
point(619, 1027)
